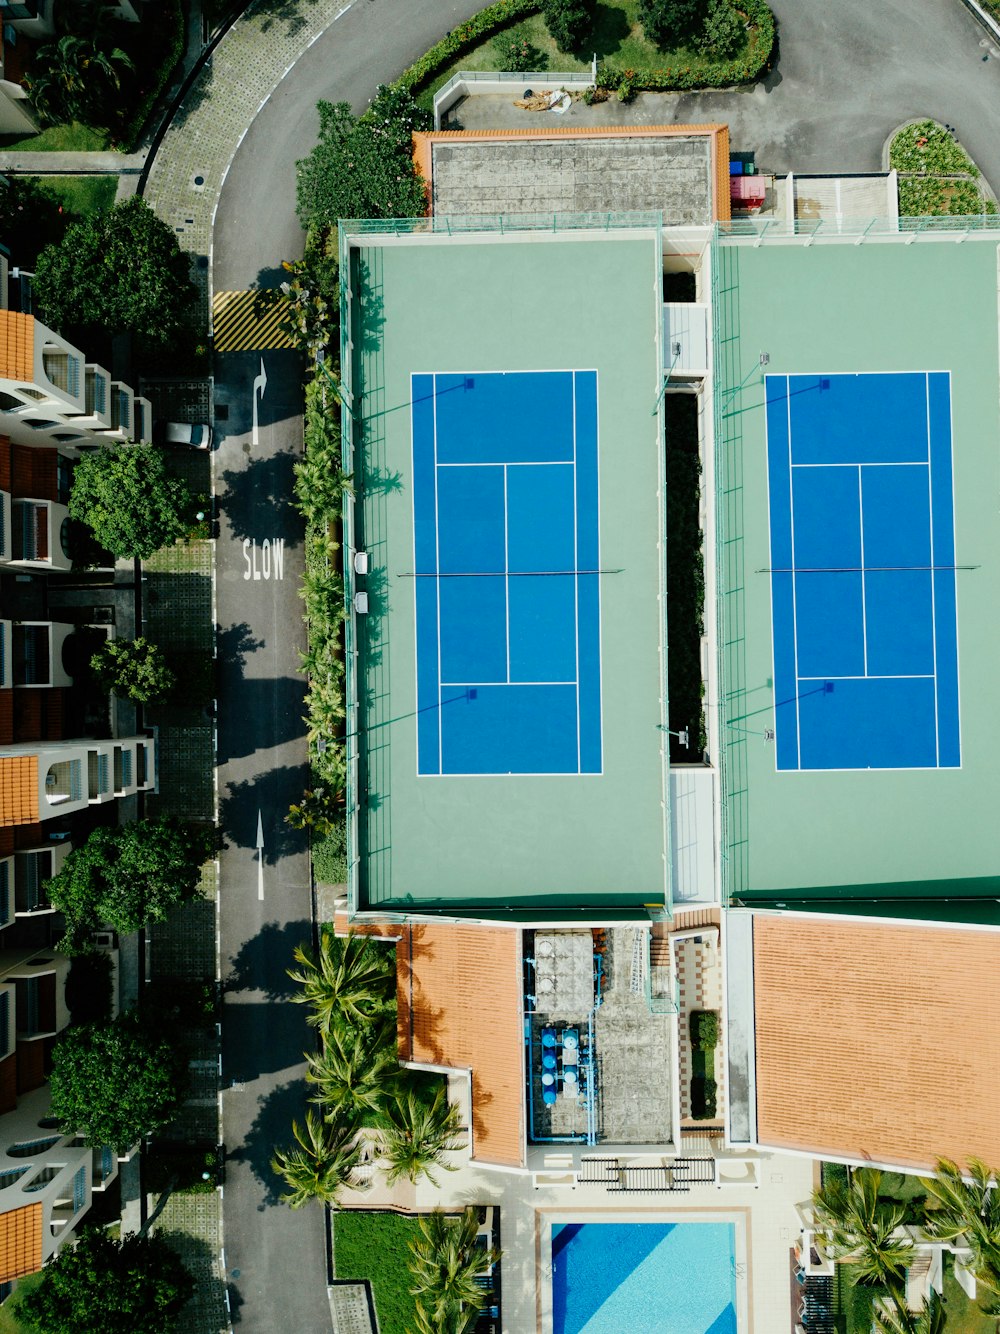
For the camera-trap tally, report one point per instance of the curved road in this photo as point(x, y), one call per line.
point(847, 74)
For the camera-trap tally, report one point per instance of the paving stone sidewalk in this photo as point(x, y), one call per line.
point(187, 174)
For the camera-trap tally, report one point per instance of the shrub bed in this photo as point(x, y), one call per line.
point(679, 71)
point(376, 1247)
point(704, 1027)
point(936, 175)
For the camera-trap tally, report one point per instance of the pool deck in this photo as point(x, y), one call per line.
point(766, 1224)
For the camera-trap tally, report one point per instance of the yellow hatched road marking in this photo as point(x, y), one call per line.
point(248, 321)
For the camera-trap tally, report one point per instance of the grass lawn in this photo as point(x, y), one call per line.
point(58, 138)
point(79, 195)
point(376, 1246)
point(9, 1322)
point(964, 1316)
point(617, 38)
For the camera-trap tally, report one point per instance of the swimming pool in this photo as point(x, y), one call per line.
point(644, 1278)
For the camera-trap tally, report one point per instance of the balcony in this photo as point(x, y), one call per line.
point(99, 787)
point(142, 426)
point(121, 409)
point(62, 369)
point(36, 1006)
point(38, 534)
point(64, 782)
point(38, 653)
point(32, 871)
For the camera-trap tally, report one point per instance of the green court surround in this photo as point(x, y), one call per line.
point(509, 847)
point(823, 838)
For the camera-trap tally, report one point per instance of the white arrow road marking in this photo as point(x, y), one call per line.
point(260, 857)
point(259, 385)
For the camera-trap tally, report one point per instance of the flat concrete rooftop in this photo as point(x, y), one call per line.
point(576, 176)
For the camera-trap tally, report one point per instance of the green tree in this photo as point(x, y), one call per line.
point(117, 271)
point(570, 22)
point(137, 1283)
point(893, 1316)
point(722, 33)
point(350, 981)
point(862, 1229)
point(445, 1266)
point(126, 875)
point(134, 669)
point(356, 1070)
point(74, 79)
point(418, 1135)
point(320, 810)
point(323, 1164)
point(125, 494)
point(669, 24)
point(116, 1083)
point(363, 167)
point(967, 1211)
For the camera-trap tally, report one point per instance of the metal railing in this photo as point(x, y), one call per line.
point(503, 223)
point(857, 230)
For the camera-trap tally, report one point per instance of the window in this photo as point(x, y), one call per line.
point(10, 1176)
point(126, 768)
point(28, 1148)
point(4, 895)
point(42, 1179)
point(79, 1190)
point(102, 773)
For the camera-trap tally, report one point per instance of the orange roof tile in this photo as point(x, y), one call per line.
point(20, 1242)
point(17, 346)
point(18, 789)
point(424, 141)
point(877, 1041)
point(459, 1005)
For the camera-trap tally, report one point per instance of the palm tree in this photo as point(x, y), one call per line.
point(445, 1266)
point(968, 1212)
point(323, 1164)
point(346, 983)
point(72, 77)
point(894, 1317)
point(862, 1229)
point(418, 1136)
point(356, 1070)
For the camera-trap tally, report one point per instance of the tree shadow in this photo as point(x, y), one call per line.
point(274, 942)
point(271, 1128)
point(272, 793)
point(264, 485)
point(235, 644)
point(263, 1037)
point(208, 1307)
point(287, 12)
point(611, 28)
point(259, 713)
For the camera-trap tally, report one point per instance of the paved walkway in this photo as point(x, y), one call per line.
point(190, 166)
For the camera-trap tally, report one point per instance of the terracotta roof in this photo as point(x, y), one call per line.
point(20, 1242)
point(40, 713)
point(18, 789)
point(424, 141)
point(877, 1041)
point(17, 346)
point(459, 1005)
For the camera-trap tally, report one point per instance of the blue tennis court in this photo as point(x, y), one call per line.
point(506, 548)
point(863, 571)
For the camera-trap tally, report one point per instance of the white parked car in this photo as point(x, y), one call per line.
point(197, 435)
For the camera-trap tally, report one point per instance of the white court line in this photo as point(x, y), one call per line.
point(864, 605)
point(495, 685)
point(881, 676)
point(897, 463)
point(576, 582)
point(515, 463)
point(506, 573)
point(930, 524)
point(437, 577)
point(791, 533)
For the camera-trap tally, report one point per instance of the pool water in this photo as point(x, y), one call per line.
point(644, 1278)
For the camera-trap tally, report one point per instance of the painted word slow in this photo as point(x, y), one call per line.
point(266, 561)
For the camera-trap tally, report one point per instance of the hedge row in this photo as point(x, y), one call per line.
point(704, 1028)
point(132, 132)
point(681, 78)
point(467, 35)
point(671, 78)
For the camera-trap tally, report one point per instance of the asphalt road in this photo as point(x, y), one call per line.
point(848, 73)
